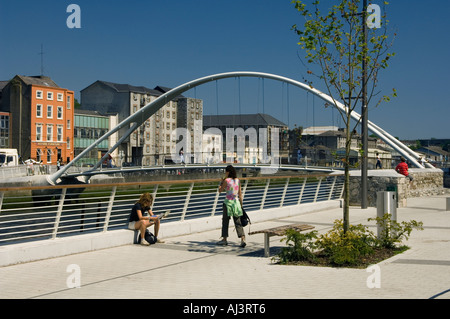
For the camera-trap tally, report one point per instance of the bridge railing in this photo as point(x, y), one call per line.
point(40, 213)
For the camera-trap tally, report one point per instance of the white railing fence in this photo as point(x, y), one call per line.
point(39, 213)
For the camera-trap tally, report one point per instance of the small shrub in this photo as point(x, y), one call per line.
point(346, 248)
point(393, 233)
point(355, 247)
point(301, 247)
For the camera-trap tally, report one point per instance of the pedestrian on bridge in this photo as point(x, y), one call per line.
point(232, 205)
point(138, 220)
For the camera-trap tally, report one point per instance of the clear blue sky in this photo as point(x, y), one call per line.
point(167, 43)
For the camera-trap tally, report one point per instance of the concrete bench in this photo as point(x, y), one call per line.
point(278, 231)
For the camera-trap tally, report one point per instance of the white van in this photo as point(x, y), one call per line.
point(8, 157)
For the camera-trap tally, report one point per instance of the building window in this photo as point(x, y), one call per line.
point(68, 101)
point(39, 132)
point(168, 114)
point(60, 112)
point(68, 124)
point(39, 95)
point(49, 132)
point(168, 138)
point(50, 96)
point(4, 130)
point(68, 143)
point(49, 156)
point(59, 133)
point(38, 155)
point(4, 122)
point(59, 97)
point(39, 110)
point(49, 111)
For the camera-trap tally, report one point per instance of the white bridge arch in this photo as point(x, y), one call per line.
point(137, 119)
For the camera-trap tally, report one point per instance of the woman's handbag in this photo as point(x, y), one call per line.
point(245, 220)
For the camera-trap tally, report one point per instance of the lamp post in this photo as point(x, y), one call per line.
point(364, 114)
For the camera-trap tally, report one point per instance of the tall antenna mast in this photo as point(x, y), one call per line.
point(42, 59)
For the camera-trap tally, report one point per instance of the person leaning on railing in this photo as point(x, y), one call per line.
point(232, 205)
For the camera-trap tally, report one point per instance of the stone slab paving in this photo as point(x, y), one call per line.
point(193, 267)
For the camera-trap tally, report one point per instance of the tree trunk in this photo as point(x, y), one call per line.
point(348, 142)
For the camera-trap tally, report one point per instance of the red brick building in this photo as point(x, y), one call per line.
point(42, 118)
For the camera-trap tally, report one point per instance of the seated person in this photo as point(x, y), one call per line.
point(402, 168)
point(138, 221)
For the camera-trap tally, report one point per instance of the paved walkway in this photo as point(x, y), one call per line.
point(194, 267)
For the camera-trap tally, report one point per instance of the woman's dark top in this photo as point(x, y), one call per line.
point(134, 216)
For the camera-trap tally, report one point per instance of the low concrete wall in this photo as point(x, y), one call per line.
point(426, 182)
point(44, 249)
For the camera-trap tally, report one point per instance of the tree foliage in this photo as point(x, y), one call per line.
point(336, 43)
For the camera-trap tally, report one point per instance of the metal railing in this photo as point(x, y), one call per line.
point(39, 213)
point(24, 170)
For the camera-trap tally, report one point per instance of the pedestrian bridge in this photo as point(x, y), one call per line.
point(70, 171)
point(134, 121)
point(51, 210)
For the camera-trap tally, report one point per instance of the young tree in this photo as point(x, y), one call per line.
point(346, 57)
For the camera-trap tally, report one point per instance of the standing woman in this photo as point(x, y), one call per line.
point(232, 205)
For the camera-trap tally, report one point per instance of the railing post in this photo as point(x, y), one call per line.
point(265, 194)
point(244, 189)
point(1, 200)
point(186, 203)
point(332, 187)
point(317, 189)
point(58, 213)
point(155, 191)
point(110, 205)
point(284, 192)
point(216, 200)
point(301, 191)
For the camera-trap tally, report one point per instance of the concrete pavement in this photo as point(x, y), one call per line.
point(193, 267)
